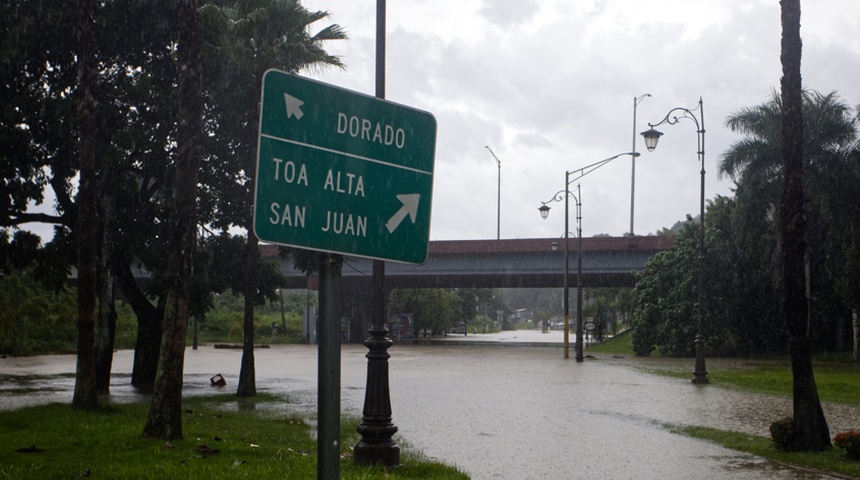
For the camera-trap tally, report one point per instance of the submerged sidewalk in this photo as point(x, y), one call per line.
point(507, 338)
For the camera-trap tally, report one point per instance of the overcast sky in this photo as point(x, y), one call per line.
point(549, 86)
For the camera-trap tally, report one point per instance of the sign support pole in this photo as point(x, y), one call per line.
point(328, 395)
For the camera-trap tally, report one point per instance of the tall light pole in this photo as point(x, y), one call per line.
point(652, 136)
point(377, 446)
point(565, 195)
point(499, 197)
point(636, 101)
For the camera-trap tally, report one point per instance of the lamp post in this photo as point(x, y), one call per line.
point(566, 194)
point(652, 136)
point(636, 101)
point(377, 446)
point(499, 198)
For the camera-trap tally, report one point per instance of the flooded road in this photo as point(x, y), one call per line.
point(495, 412)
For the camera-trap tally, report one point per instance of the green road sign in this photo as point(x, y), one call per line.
point(343, 172)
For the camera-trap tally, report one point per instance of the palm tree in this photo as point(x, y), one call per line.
point(244, 40)
point(795, 172)
point(830, 146)
point(809, 421)
point(755, 161)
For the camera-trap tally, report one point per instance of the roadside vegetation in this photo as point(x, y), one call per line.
point(225, 437)
point(36, 321)
point(830, 461)
point(837, 374)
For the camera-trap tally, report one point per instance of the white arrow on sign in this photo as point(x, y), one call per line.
point(294, 106)
point(410, 207)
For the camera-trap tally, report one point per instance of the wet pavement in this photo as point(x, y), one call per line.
point(497, 413)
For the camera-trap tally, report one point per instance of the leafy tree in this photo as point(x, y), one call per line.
point(471, 301)
point(739, 313)
point(619, 301)
point(47, 265)
point(434, 310)
point(135, 143)
point(665, 293)
point(32, 319)
point(38, 124)
point(131, 134)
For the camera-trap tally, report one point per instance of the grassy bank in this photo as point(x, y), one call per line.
point(224, 438)
point(831, 461)
point(836, 375)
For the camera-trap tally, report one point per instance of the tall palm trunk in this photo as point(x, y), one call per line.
point(85, 397)
point(165, 413)
point(247, 371)
point(809, 421)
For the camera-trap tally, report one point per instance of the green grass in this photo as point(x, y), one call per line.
point(831, 461)
point(837, 382)
point(836, 375)
point(252, 439)
point(621, 344)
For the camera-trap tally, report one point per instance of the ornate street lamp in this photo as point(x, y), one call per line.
point(565, 195)
point(652, 136)
point(544, 213)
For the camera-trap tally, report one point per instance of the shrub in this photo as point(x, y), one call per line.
point(34, 320)
point(784, 435)
point(850, 442)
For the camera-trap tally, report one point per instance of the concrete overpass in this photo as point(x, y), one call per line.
point(510, 263)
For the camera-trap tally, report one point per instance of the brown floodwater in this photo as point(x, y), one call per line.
point(494, 412)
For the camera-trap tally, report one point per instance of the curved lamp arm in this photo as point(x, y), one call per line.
point(652, 136)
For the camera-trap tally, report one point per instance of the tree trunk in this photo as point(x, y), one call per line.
point(165, 413)
point(855, 323)
point(106, 331)
point(809, 418)
point(85, 397)
point(148, 341)
point(105, 337)
point(247, 374)
point(283, 314)
point(146, 348)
